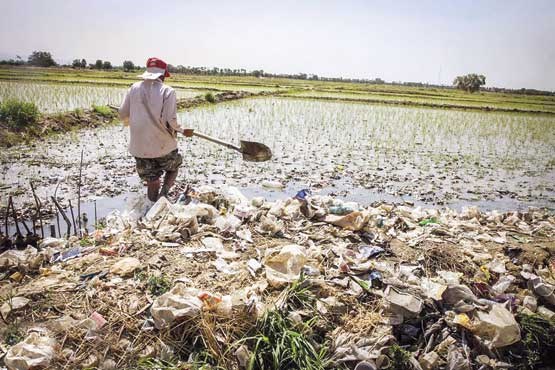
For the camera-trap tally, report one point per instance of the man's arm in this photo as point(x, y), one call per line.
point(170, 115)
point(124, 109)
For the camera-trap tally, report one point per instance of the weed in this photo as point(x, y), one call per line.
point(13, 334)
point(79, 112)
point(538, 342)
point(209, 97)
point(86, 241)
point(156, 364)
point(277, 342)
point(17, 114)
point(156, 284)
point(104, 111)
point(399, 357)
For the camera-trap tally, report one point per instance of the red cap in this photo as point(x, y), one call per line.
point(158, 63)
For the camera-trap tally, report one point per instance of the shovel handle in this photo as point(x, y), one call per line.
point(216, 141)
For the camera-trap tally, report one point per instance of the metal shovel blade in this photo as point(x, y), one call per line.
point(255, 152)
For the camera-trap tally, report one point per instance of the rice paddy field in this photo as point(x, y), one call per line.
point(53, 98)
point(334, 138)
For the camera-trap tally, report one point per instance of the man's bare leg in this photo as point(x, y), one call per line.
point(169, 180)
point(153, 188)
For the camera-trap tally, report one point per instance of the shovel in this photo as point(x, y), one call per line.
point(251, 150)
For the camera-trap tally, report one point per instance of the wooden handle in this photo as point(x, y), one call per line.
point(216, 141)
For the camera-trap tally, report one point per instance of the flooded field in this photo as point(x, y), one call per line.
point(356, 151)
point(51, 98)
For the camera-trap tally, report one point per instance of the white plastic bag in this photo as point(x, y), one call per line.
point(33, 353)
point(285, 266)
point(179, 302)
point(498, 326)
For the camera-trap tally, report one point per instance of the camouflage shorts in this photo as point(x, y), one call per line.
point(150, 169)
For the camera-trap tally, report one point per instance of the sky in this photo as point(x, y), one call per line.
point(511, 42)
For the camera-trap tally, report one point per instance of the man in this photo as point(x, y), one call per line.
point(150, 110)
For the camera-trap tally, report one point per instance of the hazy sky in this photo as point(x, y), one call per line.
point(511, 42)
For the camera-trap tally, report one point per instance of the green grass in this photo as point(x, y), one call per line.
point(209, 97)
point(277, 342)
point(155, 284)
point(399, 358)
point(538, 342)
point(104, 111)
point(18, 114)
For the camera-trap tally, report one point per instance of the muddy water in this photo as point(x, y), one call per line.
point(356, 151)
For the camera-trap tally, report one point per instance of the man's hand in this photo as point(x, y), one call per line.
point(188, 132)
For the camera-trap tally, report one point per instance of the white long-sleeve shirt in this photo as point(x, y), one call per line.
point(151, 138)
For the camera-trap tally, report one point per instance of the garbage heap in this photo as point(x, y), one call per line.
point(310, 282)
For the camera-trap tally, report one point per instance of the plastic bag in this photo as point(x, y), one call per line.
point(178, 303)
point(15, 258)
point(353, 221)
point(33, 353)
point(498, 326)
point(228, 223)
point(125, 266)
point(159, 209)
point(402, 303)
point(12, 304)
point(286, 266)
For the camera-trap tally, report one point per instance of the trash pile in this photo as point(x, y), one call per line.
point(217, 280)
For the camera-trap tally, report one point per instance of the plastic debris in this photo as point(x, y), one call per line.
point(273, 185)
point(402, 303)
point(430, 361)
point(66, 255)
point(13, 304)
point(179, 302)
point(286, 265)
point(34, 352)
point(126, 266)
point(441, 275)
point(498, 326)
point(27, 258)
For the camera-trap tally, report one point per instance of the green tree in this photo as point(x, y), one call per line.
point(41, 59)
point(128, 65)
point(98, 64)
point(470, 82)
point(83, 63)
point(106, 65)
point(76, 63)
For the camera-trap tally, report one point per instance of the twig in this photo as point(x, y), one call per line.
point(7, 215)
point(38, 203)
point(79, 192)
point(73, 218)
point(14, 214)
point(57, 215)
point(60, 209)
point(58, 223)
point(26, 227)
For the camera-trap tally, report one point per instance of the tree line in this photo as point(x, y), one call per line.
point(469, 83)
point(45, 59)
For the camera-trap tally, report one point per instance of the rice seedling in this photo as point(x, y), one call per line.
point(51, 97)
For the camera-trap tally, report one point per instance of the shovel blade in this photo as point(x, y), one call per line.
point(255, 152)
